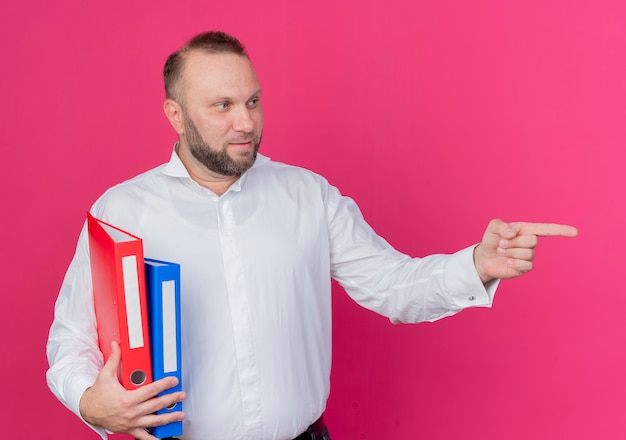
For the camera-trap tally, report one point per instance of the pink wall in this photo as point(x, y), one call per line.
point(434, 115)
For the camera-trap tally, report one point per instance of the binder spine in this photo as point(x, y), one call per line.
point(163, 291)
point(120, 302)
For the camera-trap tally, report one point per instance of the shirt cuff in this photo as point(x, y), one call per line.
point(80, 383)
point(463, 283)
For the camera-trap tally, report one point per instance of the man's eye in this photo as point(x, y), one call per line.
point(253, 102)
point(223, 105)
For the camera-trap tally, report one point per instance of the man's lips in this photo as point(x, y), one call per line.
point(241, 145)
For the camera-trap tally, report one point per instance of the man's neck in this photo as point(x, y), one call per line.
point(218, 187)
point(214, 182)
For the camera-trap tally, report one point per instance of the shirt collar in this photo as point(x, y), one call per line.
point(175, 168)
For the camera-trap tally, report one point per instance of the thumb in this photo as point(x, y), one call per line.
point(501, 229)
point(113, 362)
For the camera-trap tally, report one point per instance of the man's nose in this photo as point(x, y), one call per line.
point(243, 120)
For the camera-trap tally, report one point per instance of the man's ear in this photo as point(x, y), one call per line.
point(174, 113)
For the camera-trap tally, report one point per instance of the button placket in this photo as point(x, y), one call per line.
point(240, 318)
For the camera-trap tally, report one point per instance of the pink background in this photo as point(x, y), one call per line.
point(434, 115)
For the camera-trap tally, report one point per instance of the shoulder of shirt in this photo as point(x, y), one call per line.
point(288, 170)
point(124, 189)
point(292, 181)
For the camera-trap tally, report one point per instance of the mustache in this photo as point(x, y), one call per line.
point(249, 137)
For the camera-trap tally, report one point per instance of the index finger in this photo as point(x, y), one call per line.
point(545, 229)
point(146, 392)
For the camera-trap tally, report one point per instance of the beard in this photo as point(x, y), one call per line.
point(219, 161)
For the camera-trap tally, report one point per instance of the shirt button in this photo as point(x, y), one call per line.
point(472, 298)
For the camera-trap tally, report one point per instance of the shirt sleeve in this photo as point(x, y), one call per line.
point(72, 349)
point(404, 289)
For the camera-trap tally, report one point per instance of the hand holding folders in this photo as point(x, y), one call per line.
point(138, 321)
point(109, 405)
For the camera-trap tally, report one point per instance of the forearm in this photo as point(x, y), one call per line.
point(412, 290)
point(74, 366)
point(72, 348)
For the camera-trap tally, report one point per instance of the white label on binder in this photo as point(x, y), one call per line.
point(133, 305)
point(170, 362)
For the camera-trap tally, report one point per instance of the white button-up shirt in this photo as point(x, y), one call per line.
point(256, 269)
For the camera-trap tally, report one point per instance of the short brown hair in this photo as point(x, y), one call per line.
point(208, 42)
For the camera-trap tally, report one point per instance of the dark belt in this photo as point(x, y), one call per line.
point(317, 431)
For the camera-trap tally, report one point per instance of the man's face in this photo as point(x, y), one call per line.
point(222, 112)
